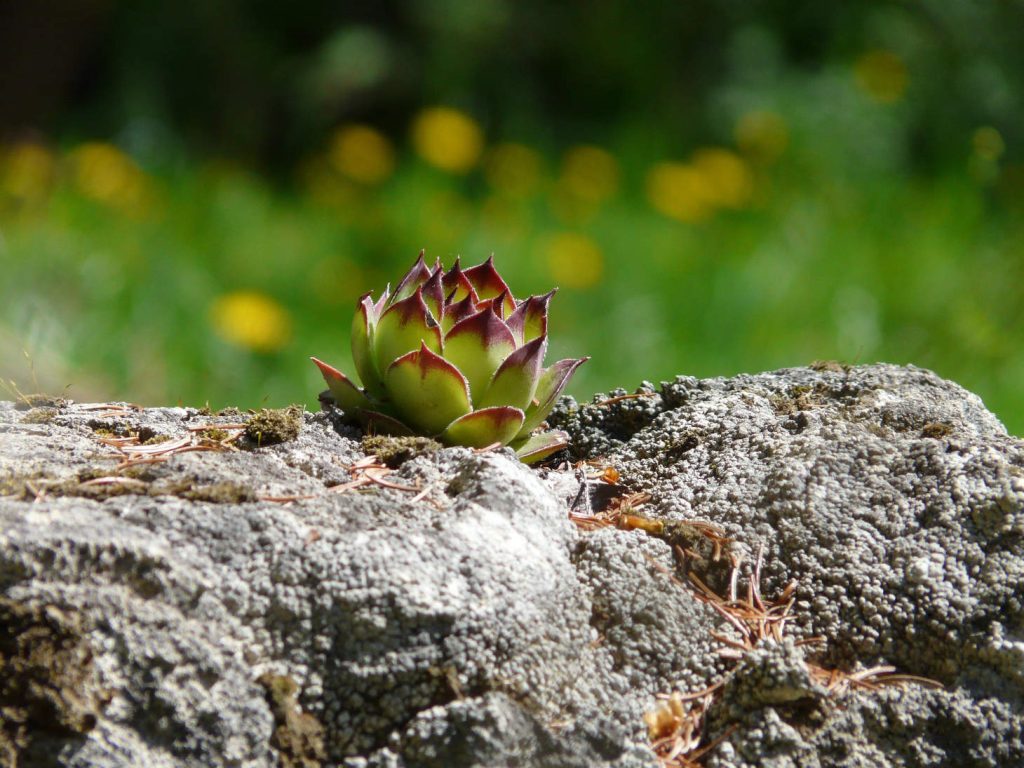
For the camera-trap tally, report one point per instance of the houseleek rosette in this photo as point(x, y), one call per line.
point(455, 356)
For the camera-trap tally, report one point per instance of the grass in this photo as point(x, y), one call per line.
point(147, 285)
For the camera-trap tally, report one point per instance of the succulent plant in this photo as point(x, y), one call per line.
point(455, 356)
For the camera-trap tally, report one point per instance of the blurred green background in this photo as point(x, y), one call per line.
point(194, 194)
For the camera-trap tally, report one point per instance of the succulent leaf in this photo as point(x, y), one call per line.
point(530, 319)
point(363, 326)
point(489, 284)
point(550, 385)
point(539, 445)
point(484, 427)
point(427, 390)
point(456, 313)
point(516, 378)
point(433, 295)
point(453, 354)
point(477, 346)
point(402, 327)
point(456, 285)
point(413, 279)
point(346, 394)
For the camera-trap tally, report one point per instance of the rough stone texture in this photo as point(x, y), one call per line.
point(191, 615)
point(894, 500)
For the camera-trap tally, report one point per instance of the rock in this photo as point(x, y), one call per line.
point(202, 595)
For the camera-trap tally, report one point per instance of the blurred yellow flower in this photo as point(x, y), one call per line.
point(513, 169)
point(252, 320)
point(677, 190)
point(590, 173)
point(574, 260)
point(761, 135)
point(362, 154)
point(988, 143)
point(106, 174)
point(727, 180)
point(27, 172)
point(447, 139)
point(882, 75)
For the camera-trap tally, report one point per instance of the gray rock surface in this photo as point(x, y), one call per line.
point(174, 592)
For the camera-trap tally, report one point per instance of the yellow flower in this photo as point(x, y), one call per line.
point(677, 190)
point(761, 135)
point(26, 173)
point(574, 260)
point(882, 75)
point(252, 320)
point(727, 181)
point(447, 139)
point(590, 173)
point(513, 169)
point(104, 173)
point(362, 154)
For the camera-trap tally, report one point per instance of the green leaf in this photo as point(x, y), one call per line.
point(484, 427)
point(455, 313)
point(433, 295)
point(363, 326)
point(516, 378)
point(427, 390)
point(346, 394)
point(477, 346)
point(402, 328)
point(549, 387)
point(489, 284)
point(530, 320)
point(457, 286)
point(413, 279)
point(540, 445)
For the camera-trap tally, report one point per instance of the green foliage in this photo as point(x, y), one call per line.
point(802, 227)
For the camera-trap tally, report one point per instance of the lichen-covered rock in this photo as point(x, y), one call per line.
point(210, 597)
point(893, 499)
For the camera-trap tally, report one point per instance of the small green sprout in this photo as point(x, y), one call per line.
point(453, 355)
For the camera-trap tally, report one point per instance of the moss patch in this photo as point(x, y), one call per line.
point(215, 493)
point(936, 429)
point(41, 415)
point(214, 435)
point(832, 366)
point(275, 426)
point(137, 481)
point(28, 402)
point(48, 692)
point(395, 451)
point(799, 398)
point(298, 736)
